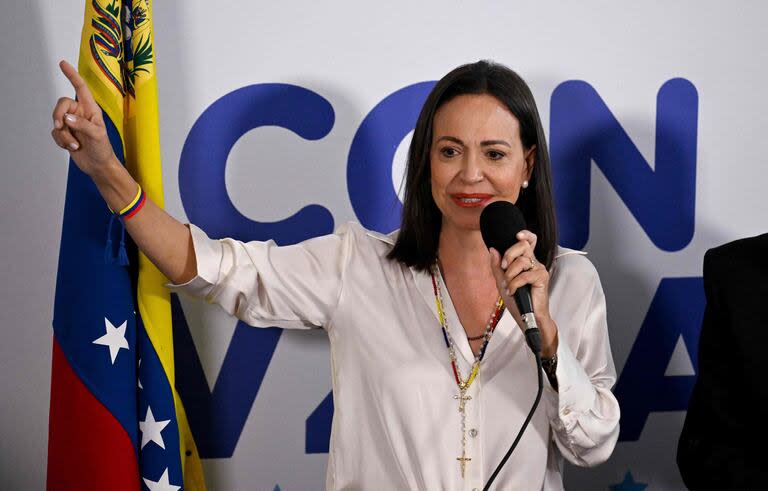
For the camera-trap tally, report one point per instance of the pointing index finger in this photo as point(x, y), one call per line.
point(81, 88)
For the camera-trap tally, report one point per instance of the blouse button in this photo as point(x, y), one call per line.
point(473, 432)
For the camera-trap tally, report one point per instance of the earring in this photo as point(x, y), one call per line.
point(525, 184)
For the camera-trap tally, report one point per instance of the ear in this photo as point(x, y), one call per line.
point(530, 161)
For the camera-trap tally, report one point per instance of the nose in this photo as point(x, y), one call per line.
point(472, 168)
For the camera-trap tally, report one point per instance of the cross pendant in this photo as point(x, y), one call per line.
point(463, 462)
point(462, 398)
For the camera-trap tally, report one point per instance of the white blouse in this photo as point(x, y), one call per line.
point(396, 423)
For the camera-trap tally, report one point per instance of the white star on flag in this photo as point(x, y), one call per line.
point(150, 429)
point(161, 484)
point(114, 338)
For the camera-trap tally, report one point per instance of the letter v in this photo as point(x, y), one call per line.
point(217, 417)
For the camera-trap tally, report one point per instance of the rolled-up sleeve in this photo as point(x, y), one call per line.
point(263, 284)
point(583, 412)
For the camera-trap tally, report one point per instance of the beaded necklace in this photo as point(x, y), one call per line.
point(463, 384)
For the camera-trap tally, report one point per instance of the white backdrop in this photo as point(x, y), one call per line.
point(354, 55)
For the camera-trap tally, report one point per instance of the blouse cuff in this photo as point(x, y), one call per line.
point(575, 394)
point(208, 257)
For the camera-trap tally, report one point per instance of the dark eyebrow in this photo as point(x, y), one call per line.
point(485, 143)
point(451, 139)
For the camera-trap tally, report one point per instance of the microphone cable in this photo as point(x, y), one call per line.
point(537, 354)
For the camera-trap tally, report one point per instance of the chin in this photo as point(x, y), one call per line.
point(466, 224)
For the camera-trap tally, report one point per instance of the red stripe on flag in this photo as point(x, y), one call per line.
point(88, 449)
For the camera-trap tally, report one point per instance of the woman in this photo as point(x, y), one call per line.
point(431, 375)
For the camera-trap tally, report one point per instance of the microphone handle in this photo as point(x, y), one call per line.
point(525, 306)
point(523, 300)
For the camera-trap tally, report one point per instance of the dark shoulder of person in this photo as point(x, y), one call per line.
point(734, 258)
point(736, 279)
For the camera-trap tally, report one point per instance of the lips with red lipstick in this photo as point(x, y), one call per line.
point(473, 200)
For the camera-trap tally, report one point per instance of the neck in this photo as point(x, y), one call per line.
point(463, 251)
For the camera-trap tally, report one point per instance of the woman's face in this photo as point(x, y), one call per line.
point(476, 158)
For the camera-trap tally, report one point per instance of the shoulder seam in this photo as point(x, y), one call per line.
point(383, 238)
point(569, 253)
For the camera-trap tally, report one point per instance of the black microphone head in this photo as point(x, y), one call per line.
point(500, 222)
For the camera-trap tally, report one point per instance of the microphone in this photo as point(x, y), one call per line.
point(500, 222)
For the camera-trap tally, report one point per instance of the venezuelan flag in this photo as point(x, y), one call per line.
point(116, 421)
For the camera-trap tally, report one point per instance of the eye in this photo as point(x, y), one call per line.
point(448, 152)
point(495, 155)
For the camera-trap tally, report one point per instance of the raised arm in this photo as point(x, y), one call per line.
point(79, 128)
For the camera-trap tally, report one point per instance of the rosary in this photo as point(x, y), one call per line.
point(463, 385)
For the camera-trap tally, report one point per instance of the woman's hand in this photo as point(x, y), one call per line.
point(79, 127)
point(519, 267)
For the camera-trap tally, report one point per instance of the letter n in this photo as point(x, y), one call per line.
point(660, 197)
